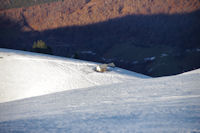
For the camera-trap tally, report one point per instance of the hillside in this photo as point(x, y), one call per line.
point(84, 12)
point(78, 99)
point(153, 37)
point(8, 4)
point(25, 74)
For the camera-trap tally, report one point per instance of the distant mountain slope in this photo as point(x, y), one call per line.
point(7, 4)
point(83, 12)
point(25, 74)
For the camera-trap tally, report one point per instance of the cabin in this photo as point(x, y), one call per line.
point(104, 67)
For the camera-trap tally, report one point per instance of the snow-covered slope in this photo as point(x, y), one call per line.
point(124, 102)
point(25, 74)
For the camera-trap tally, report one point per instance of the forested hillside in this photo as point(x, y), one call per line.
point(8, 4)
point(83, 12)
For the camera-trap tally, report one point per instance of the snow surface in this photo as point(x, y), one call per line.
point(25, 74)
point(118, 101)
point(150, 58)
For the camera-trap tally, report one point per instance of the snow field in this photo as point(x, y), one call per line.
point(25, 74)
point(118, 101)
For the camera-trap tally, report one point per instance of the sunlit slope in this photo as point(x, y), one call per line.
point(166, 104)
point(84, 12)
point(24, 74)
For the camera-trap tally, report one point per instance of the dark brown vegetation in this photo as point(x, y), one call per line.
point(84, 12)
point(126, 32)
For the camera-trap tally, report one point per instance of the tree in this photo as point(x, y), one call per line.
point(41, 47)
point(40, 44)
